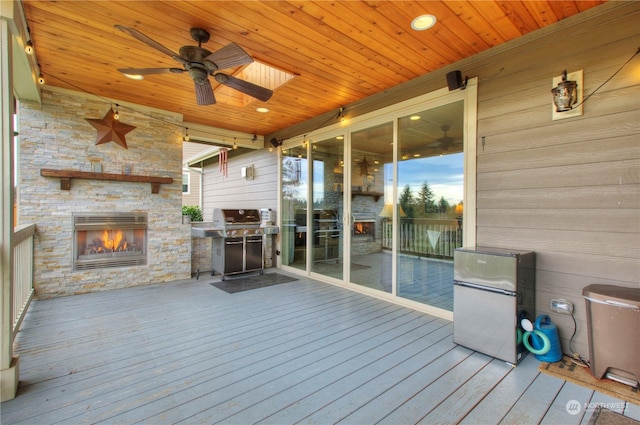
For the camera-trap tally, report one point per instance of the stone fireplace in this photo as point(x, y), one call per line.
point(104, 240)
point(106, 231)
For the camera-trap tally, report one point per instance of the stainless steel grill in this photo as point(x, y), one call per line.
point(239, 246)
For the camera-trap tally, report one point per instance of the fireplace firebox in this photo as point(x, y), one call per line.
point(104, 240)
point(364, 224)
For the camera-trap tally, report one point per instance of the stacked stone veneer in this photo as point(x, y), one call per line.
point(56, 135)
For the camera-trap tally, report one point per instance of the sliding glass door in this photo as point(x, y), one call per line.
point(430, 197)
point(295, 180)
point(371, 164)
point(328, 207)
point(382, 204)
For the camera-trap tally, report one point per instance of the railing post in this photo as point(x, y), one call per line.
point(8, 363)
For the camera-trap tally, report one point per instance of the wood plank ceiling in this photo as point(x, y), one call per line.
point(339, 51)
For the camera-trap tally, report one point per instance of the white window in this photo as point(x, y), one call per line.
point(186, 183)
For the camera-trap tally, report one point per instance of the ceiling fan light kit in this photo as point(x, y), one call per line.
point(200, 63)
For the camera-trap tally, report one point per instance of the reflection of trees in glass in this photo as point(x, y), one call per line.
point(443, 205)
point(423, 204)
point(406, 201)
point(291, 170)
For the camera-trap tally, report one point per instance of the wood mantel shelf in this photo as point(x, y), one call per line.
point(375, 195)
point(65, 177)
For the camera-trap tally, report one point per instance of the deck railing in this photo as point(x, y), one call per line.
point(22, 288)
point(425, 237)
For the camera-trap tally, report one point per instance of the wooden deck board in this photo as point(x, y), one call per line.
point(338, 399)
point(301, 352)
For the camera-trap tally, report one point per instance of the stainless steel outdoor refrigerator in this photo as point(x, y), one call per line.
point(493, 290)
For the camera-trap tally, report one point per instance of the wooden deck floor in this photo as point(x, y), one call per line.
point(300, 352)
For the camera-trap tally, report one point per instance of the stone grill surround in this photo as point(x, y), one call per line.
point(56, 135)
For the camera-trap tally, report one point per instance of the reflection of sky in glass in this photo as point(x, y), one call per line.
point(443, 174)
point(318, 181)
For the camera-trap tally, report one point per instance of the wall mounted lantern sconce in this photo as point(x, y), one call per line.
point(567, 92)
point(247, 172)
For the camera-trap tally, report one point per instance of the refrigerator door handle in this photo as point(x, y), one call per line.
point(484, 288)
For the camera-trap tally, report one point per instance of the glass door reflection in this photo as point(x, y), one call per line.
point(430, 194)
point(328, 207)
point(294, 207)
point(371, 188)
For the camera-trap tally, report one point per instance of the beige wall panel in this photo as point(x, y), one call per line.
point(583, 152)
point(567, 189)
point(234, 191)
point(604, 197)
point(568, 219)
point(590, 174)
point(585, 242)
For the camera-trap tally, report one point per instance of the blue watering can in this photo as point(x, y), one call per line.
point(545, 342)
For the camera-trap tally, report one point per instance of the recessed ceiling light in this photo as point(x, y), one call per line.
point(262, 110)
point(134, 76)
point(423, 22)
point(414, 117)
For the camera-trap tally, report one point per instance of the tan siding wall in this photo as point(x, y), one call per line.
point(567, 189)
point(189, 150)
point(234, 191)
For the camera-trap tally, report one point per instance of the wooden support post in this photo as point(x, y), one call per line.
point(8, 363)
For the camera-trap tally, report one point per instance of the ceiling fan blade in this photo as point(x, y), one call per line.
point(204, 93)
point(140, 36)
point(229, 56)
point(147, 71)
point(243, 86)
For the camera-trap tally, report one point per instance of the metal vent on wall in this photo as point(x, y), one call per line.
point(120, 220)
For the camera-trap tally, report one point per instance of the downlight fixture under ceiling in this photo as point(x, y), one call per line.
point(423, 22)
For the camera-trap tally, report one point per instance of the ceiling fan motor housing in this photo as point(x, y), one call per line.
point(198, 75)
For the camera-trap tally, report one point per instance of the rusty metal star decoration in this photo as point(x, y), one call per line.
point(364, 166)
point(110, 129)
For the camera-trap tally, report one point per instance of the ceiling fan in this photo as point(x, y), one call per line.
point(200, 63)
point(444, 142)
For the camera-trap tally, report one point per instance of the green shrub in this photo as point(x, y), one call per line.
point(193, 211)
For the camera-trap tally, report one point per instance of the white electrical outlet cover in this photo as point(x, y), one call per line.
point(526, 325)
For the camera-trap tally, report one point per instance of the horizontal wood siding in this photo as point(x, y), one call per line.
point(189, 150)
point(233, 191)
point(567, 189)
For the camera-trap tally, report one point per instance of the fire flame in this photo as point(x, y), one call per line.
point(114, 242)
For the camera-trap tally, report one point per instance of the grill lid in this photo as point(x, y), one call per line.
point(225, 218)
